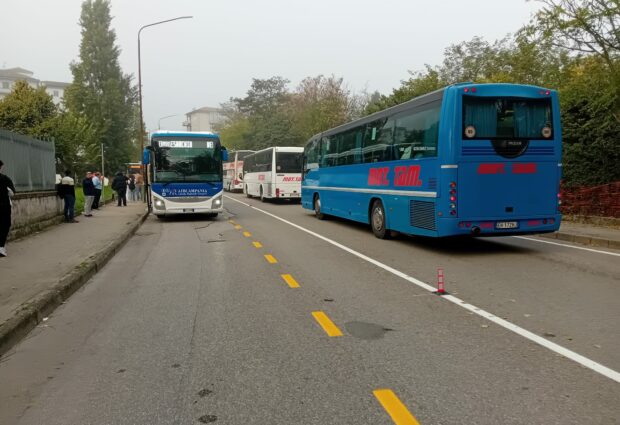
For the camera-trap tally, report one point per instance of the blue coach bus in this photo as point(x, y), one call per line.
point(469, 159)
point(185, 172)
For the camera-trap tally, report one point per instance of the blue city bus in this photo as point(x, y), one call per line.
point(469, 159)
point(185, 173)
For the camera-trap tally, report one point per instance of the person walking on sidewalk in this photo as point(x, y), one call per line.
point(119, 184)
point(66, 191)
point(88, 187)
point(7, 189)
point(97, 181)
point(131, 185)
point(139, 185)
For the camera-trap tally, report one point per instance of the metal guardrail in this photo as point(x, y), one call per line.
point(29, 162)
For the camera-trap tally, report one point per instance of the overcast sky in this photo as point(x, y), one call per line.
point(206, 60)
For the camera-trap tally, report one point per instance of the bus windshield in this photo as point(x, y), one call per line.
point(288, 162)
point(506, 118)
point(187, 161)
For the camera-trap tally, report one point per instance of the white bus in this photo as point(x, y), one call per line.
point(273, 173)
point(233, 170)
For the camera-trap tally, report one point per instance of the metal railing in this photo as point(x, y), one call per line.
point(29, 162)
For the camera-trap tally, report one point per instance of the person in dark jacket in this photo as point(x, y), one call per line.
point(88, 187)
point(66, 191)
point(119, 184)
point(6, 188)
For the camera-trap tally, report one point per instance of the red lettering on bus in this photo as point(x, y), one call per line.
point(378, 176)
point(261, 177)
point(407, 176)
point(529, 168)
point(491, 169)
point(291, 179)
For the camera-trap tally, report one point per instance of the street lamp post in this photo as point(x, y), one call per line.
point(163, 118)
point(147, 198)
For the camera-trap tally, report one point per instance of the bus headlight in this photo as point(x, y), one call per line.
point(159, 204)
point(217, 202)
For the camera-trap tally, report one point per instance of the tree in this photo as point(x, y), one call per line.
point(320, 103)
point(25, 110)
point(100, 91)
point(582, 26)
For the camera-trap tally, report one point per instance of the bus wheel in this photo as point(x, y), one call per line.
point(262, 196)
point(377, 221)
point(247, 192)
point(317, 208)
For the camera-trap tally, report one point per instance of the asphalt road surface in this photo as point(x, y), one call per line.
point(247, 319)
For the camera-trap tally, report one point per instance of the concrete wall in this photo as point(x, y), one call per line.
point(33, 211)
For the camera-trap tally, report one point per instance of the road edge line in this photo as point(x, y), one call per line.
point(552, 346)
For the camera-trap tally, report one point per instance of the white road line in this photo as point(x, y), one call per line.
point(578, 358)
point(598, 251)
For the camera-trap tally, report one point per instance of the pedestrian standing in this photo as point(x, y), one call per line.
point(139, 185)
point(88, 187)
point(119, 184)
point(7, 189)
point(66, 191)
point(131, 185)
point(97, 181)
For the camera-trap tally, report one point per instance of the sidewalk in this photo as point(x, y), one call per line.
point(587, 234)
point(44, 269)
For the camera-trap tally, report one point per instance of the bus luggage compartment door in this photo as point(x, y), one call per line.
point(505, 189)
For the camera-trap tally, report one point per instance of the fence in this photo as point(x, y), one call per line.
point(29, 162)
point(598, 201)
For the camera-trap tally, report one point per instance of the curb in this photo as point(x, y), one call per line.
point(32, 312)
point(583, 239)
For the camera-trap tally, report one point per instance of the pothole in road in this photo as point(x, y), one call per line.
point(364, 330)
point(207, 419)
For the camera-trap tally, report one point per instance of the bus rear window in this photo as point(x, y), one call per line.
point(288, 162)
point(506, 118)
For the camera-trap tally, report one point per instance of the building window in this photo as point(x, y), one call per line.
point(55, 93)
point(6, 85)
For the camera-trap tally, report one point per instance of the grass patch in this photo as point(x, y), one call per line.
point(79, 198)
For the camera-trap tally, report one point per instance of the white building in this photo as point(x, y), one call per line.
point(8, 78)
point(203, 119)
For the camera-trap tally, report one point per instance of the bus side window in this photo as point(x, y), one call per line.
point(378, 139)
point(329, 151)
point(416, 134)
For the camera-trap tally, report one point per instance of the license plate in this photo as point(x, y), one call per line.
point(188, 210)
point(506, 225)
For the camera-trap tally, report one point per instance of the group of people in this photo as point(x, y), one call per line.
point(92, 186)
point(123, 184)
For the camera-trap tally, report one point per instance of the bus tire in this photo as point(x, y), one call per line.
point(247, 192)
point(160, 217)
point(316, 203)
point(378, 220)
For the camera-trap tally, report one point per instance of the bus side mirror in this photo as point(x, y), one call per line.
point(146, 157)
point(224, 154)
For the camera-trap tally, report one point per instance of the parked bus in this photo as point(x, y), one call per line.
point(469, 159)
point(273, 173)
point(185, 172)
point(233, 170)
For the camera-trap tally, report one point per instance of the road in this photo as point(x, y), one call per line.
point(228, 321)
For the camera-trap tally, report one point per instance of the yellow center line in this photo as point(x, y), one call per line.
point(231, 222)
point(290, 281)
point(257, 244)
point(395, 408)
point(238, 226)
point(247, 234)
point(326, 323)
point(271, 258)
